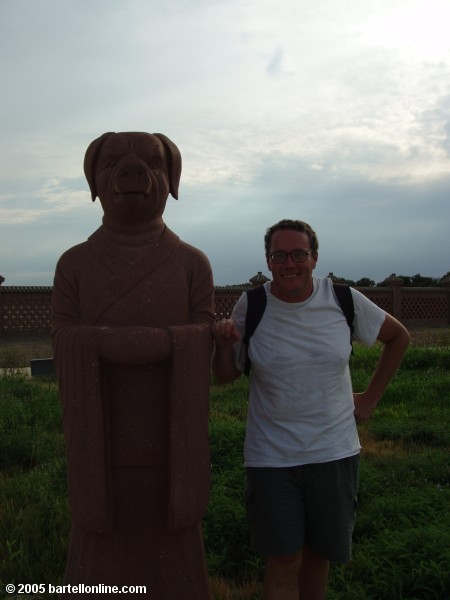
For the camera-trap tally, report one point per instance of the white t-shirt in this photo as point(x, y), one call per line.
point(301, 399)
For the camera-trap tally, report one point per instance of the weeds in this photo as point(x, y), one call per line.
point(9, 362)
point(30, 423)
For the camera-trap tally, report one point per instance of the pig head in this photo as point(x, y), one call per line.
point(133, 173)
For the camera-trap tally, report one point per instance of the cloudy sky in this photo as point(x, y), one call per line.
point(336, 112)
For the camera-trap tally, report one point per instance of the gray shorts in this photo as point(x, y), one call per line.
point(313, 504)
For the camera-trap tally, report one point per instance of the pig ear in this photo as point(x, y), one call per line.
point(90, 162)
point(174, 159)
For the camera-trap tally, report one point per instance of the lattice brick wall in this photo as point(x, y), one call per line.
point(23, 313)
point(424, 306)
point(26, 310)
point(224, 304)
point(381, 298)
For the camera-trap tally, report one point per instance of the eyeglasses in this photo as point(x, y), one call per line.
point(279, 257)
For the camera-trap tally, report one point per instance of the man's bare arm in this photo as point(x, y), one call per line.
point(395, 338)
point(223, 365)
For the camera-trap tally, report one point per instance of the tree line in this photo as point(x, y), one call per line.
point(417, 280)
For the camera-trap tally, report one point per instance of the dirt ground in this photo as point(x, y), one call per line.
point(438, 337)
point(17, 352)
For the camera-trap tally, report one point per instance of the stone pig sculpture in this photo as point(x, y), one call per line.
point(131, 314)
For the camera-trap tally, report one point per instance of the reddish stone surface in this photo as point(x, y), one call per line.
point(131, 313)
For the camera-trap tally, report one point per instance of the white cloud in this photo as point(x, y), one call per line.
point(335, 112)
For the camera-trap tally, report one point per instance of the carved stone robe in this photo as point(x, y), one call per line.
point(136, 434)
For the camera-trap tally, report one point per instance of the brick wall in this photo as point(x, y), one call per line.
point(25, 311)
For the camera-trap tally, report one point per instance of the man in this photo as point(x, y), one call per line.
point(301, 447)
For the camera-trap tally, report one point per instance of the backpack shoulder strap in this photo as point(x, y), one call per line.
point(256, 305)
point(345, 298)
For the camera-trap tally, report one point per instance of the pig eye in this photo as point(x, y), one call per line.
point(109, 161)
point(154, 162)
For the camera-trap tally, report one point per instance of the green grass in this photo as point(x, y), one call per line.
point(402, 536)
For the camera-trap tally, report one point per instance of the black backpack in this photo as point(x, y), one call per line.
point(256, 304)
